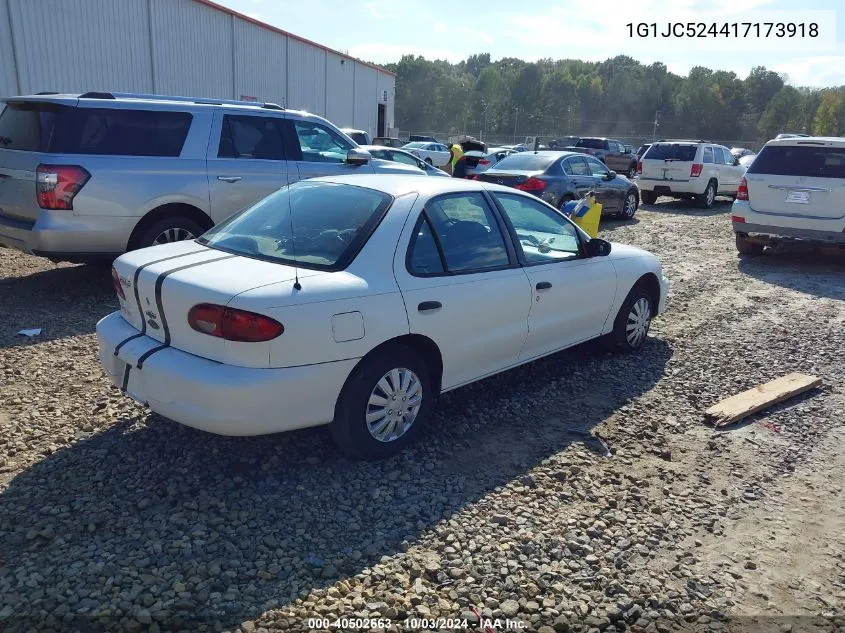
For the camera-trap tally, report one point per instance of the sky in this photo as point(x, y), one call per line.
point(381, 31)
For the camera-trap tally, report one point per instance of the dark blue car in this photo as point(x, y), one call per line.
point(558, 177)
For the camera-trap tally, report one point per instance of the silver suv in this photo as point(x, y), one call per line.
point(88, 177)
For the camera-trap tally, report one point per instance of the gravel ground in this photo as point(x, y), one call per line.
point(582, 492)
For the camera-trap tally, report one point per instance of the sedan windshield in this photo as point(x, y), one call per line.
point(526, 162)
point(318, 225)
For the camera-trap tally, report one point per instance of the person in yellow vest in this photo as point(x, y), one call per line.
point(457, 153)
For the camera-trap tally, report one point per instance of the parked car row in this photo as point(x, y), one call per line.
point(88, 177)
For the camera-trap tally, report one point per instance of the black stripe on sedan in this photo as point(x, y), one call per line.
point(160, 305)
point(125, 377)
point(138, 296)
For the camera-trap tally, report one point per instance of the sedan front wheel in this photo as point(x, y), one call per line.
point(630, 329)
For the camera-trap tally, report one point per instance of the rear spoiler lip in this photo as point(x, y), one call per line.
point(67, 99)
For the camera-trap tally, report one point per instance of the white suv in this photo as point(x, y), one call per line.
point(688, 169)
point(794, 191)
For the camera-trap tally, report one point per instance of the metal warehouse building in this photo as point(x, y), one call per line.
point(184, 47)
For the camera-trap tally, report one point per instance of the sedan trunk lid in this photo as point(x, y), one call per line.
point(162, 284)
point(510, 178)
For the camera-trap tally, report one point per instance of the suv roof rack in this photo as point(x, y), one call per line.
point(47, 92)
point(153, 97)
point(681, 140)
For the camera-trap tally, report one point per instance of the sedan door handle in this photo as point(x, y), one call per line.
point(429, 305)
point(543, 285)
point(229, 178)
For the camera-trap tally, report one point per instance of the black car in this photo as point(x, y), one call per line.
point(558, 177)
point(422, 138)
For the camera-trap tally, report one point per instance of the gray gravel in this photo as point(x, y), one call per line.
point(580, 493)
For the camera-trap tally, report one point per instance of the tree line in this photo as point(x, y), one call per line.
point(618, 97)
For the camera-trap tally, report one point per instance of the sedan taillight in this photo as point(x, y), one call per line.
point(532, 184)
point(484, 161)
point(232, 324)
point(118, 287)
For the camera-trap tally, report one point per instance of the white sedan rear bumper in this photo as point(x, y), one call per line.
point(218, 398)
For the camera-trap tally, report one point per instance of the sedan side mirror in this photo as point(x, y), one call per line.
point(358, 157)
point(597, 247)
point(610, 175)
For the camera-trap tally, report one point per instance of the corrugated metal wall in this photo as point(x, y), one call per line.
point(180, 47)
point(261, 63)
point(192, 49)
point(66, 44)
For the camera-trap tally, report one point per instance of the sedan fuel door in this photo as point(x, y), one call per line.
point(462, 285)
point(571, 293)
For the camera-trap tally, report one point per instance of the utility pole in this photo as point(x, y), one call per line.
point(656, 123)
point(515, 119)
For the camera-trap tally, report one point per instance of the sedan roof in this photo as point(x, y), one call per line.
point(399, 185)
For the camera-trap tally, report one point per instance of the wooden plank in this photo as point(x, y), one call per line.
point(747, 403)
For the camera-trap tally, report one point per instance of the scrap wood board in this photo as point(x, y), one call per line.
point(749, 402)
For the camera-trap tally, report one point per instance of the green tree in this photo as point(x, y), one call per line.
point(828, 121)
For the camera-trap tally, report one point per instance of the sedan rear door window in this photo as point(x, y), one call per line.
point(468, 233)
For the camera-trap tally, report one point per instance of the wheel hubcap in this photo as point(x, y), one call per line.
point(175, 234)
point(630, 205)
point(394, 404)
point(639, 320)
point(711, 195)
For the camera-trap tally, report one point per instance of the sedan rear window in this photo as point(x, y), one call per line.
point(808, 161)
point(671, 151)
point(526, 162)
point(319, 225)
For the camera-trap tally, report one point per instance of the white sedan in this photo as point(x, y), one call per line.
point(354, 300)
point(435, 154)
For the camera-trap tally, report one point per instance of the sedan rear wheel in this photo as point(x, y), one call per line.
point(629, 206)
point(428, 160)
point(383, 405)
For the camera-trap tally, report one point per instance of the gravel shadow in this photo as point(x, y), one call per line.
point(63, 301)
point(817, 273)
point(204, 532)
point(688, 207)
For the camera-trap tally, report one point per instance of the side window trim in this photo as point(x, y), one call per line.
point(514, 238)
point(409, 254)
point(501, 223)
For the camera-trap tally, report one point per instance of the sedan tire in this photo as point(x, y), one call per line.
point(629, 205)
point(384, 404)
point(630, 329)
point(428, 160)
